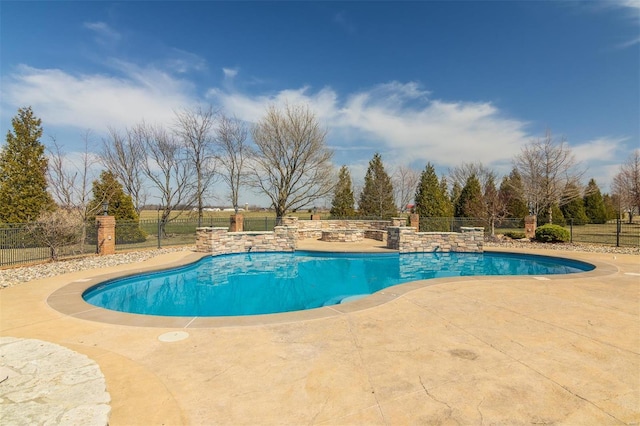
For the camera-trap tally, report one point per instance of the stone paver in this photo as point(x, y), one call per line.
point(46, 384)
point(471, 350)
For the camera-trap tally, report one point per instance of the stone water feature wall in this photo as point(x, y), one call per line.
point(284, 238)
point(374, 229)
point(219, 240)
point(407, 240)
point(342, 236)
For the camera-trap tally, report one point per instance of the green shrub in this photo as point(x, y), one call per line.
point(552, 234)
point(514, 235)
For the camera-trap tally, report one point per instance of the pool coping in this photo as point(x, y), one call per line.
point(68, 298)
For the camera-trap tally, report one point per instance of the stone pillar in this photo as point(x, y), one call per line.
point(290, 221)
point(315, 216)
point(393, 238)
point(414, 220)
point(530, 224)
point(106, 234)
point(236, 223)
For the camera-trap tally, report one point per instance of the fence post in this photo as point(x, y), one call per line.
point(571, 230)
point(618, 226)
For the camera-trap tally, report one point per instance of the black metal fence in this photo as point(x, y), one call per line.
point(453, 224)
point(616, 233)
point(155, 233)
point(19, 243)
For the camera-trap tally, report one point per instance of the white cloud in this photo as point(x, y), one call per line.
point(601, 149)
point(604, 176)
point(96, 101)
point(398, 120)
point(252, 108)
point(633, 4)
point(629, 43)
point(229, 72)
point(181, 61)
point(104, 33)
point(629, 11)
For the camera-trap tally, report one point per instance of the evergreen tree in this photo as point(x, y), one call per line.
point(444, 188)
point(511, 193)
point(343, 201)
point(376, 199)
point(471, 202)
point(610, 207)
point(558, 217)
point(455, 195)
point(574, 209)
point(594, 206)
point(23, 167)
point(556, 212)
point(431, 202)
point(120, 205)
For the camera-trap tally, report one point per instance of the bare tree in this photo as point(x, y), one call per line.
point(293, 164)
point(496, 205)
point(123, 155)
point(61, 177)
point(405, 181)
point(233, 154)
point(358, 187)
point(168, 168)
point(70, 181)
point(547, 168)
point(626, 185)
point(195, 128)
point(460, 174)
point(56, 230)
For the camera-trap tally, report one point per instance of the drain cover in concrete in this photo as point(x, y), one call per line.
point(173, 336)
point(43, 383)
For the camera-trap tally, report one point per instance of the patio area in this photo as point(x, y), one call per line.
point(472, 350)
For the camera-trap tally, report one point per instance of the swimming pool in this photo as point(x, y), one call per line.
point(262, 283)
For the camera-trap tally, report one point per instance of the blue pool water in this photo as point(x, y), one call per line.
point(261, 283)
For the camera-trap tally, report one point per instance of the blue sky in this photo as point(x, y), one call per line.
point(444, 82)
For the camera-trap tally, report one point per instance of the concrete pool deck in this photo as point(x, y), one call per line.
point(472, 350)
